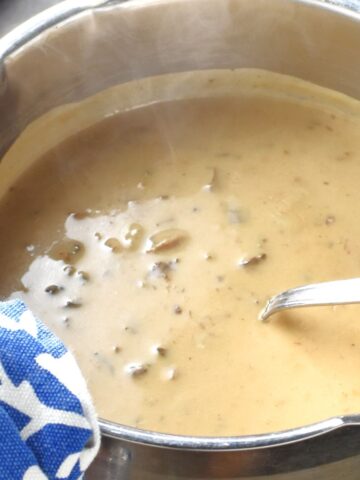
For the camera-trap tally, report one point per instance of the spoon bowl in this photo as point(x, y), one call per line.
point(339, 292)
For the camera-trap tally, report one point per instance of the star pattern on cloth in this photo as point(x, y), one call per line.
point(47, 420)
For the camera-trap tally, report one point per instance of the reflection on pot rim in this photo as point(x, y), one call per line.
point(247, 442)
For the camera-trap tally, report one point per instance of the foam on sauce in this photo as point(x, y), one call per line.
point(150, 240)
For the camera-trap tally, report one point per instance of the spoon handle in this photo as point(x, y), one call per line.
point(339, 292)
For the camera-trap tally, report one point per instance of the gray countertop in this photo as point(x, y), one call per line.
point(13, 12)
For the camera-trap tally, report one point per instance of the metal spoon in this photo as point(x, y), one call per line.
point(339, 292)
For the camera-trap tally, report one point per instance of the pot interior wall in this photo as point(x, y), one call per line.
point(105, 46)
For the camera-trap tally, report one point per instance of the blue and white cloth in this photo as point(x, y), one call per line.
point(48, 425)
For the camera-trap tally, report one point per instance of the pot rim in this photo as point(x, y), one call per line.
point(242, 442)
point(19, 37)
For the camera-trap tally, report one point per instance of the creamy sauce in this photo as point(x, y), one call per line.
point(184, 217)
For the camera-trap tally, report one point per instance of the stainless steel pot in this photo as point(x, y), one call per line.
point(80, 47)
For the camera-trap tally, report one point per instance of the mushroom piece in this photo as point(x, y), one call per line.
point(114, 244)
point(165, 240)
point(249, 261)
point(136, 369)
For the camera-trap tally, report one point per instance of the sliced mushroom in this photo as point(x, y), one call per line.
point(329, 220)
point(249, 261)
point(84, 276)
point(171, 373)
point(69, 270)
point(114, 244)
point(68, 250)
point(73, 303)
point(210, 185)
point(160, 350)
point(165, 240)
point(53, 289)
point(177, 310)
point(136, 369)
point(82, 214)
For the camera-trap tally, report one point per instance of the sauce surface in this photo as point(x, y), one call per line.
point(150, 241)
